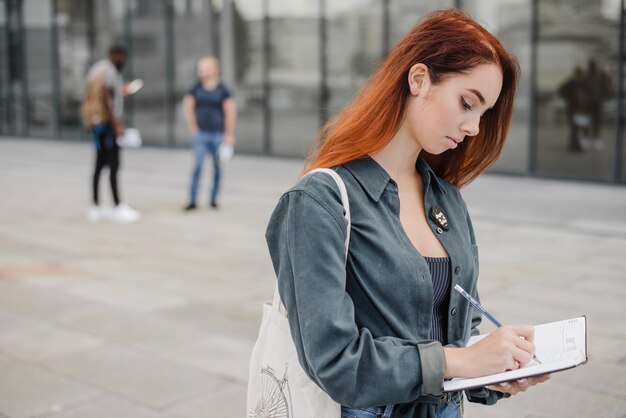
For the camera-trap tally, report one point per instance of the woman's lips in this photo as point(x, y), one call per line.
point(453, 142)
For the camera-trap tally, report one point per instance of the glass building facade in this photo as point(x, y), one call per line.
point(293, 63)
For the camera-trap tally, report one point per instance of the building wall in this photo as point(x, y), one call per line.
point(292, 64)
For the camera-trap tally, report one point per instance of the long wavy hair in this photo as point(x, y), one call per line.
point(448, 42)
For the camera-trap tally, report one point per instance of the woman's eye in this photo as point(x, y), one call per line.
point(465, 104)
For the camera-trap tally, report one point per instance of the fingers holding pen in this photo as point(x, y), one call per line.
point(523, 351)
point(519, 339)
point(509, 347)
point(526, 332)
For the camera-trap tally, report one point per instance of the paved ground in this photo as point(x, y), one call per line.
point(157, 319)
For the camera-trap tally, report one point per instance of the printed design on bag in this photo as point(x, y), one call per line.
point(275, 398)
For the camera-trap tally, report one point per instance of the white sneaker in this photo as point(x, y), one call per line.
point(95, 214)
point(124, 214)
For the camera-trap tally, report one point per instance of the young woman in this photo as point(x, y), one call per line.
point(380, 331)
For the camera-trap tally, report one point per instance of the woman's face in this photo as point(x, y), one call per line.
point(440, 116)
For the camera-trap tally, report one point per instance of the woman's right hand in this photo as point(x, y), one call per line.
point(507, 348)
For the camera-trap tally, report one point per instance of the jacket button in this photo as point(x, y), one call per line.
point(453, 311)
point(439, 231)
point(457, 270)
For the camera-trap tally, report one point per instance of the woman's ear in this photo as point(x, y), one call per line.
point(418, 78)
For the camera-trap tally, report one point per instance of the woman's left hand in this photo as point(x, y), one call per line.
point(516, 386)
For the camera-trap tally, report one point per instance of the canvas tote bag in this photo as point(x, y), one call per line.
point(278, 387)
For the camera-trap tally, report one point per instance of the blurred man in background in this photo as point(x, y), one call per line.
point(210, 112)
point(102, 110)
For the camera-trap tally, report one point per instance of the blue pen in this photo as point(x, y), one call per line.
point(478, 306)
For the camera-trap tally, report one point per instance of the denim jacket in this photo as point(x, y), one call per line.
point(362, 326)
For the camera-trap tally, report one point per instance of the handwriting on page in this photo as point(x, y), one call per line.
point(559, 340)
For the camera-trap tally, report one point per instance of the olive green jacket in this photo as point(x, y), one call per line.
point(362, 327)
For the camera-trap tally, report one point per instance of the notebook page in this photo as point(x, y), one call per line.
point(562, 340)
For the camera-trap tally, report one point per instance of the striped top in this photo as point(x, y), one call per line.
point(440, 274)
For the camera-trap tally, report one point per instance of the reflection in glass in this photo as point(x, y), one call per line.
point(354, 48)
point(72, 22)
point(39, 110)
point(404, 14)
point(294, 75)
point(245, 33)
point(4, 72)
point(510, 22)
point(622, 98)
point(577, 65)
point(148, 45)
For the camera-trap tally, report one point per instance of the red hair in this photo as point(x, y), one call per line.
point(448, 42)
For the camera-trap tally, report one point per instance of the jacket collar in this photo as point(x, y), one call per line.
point(374, 178)
point(428, 175)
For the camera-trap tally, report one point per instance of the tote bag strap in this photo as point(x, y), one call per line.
point(276, 303)
point(344, 199)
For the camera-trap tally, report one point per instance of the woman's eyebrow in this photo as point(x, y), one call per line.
point(478, 94)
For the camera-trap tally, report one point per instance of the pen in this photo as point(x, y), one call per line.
point(478, 306)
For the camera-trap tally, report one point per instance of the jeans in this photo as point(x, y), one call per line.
point(373, 412)
point(107, 154)
point(452, 409)
point(204, 142)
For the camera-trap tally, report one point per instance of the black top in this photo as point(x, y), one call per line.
point(209, 107)
point(440, 275)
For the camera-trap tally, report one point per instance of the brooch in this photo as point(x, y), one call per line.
point(440, 218)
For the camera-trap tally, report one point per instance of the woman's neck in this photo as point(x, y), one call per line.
point(398, 156)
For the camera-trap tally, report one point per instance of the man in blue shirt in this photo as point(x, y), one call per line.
point(210, 112)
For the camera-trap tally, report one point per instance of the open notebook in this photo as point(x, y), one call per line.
point(560, 346)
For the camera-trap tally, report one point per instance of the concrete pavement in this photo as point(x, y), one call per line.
point(157, 319)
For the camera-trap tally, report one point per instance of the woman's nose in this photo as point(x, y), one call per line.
point(471, 127)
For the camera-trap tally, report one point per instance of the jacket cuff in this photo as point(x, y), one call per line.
point(485, 396)
point(433, 365)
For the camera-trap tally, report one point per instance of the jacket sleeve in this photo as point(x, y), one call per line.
point(306, 237)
